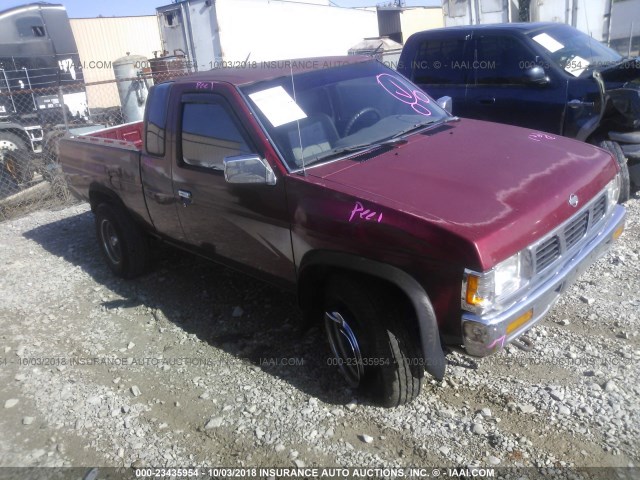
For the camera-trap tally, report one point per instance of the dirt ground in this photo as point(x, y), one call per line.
point(197, 365)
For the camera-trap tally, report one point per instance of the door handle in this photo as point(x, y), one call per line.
point(575, 103)
point(185, 196)
point(487, 100)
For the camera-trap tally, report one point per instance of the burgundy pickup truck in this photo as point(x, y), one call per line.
point(406, 231)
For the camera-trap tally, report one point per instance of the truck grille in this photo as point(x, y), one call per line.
point(567, 237)
point(576, 229)
point(599, 209)
point(547, 252)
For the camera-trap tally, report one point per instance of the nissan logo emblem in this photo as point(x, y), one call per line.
point(573, 200)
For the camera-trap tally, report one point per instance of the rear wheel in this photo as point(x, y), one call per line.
point(122, 242)
point(618, 154)
point(371, 345)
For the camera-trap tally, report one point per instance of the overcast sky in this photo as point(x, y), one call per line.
point(93, 8)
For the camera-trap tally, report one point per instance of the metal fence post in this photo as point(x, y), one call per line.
point(64, 109)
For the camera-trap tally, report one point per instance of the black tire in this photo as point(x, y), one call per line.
point(384, 364)
point(123, 244)
point(15, 158)
point(618, 154)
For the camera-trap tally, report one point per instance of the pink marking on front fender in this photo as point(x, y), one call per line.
point(357, 208)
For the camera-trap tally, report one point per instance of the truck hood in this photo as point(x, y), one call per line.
point(499, 187)
point(626, 71)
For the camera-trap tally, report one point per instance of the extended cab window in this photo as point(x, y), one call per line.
point(439, 61)
point(157, 118)
point(210, 133)
point(501, 60)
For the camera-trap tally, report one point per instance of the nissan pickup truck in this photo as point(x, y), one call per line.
point(404, 231)
point(545, 76)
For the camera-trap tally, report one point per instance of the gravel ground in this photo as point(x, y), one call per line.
point(194, 364)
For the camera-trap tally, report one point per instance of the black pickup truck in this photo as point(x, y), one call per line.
point(546, 76)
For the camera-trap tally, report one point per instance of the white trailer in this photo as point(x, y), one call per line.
point(212, 32)
point(616, 23)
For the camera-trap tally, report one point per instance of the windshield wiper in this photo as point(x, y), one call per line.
point(397, 138)
point(420, 126)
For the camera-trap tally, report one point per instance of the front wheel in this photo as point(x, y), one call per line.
point(614, 149)
point(371, 345)
point(15, 158)
point(122, 242)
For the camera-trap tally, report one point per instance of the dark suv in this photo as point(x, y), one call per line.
point(544, 76)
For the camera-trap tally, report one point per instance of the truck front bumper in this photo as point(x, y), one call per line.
point(492, 332)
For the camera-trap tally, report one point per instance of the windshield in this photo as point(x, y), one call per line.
point(326, 113)
point(574, 51)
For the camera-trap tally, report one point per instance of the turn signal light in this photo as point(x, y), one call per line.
point(472, 291)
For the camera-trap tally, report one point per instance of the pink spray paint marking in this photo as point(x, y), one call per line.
point(539, 136)
point(364, 213)
point(404, 93)
point(501, 340)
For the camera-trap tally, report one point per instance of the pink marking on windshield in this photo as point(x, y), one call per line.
point(403, 92)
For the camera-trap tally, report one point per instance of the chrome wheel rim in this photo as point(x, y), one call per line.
point(345, 347)
point(110, 242)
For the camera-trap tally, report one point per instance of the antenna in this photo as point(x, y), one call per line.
point(586, 21)
point(293, 86)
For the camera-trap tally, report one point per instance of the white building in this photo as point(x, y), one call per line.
point(209, 32)
point(102, 40)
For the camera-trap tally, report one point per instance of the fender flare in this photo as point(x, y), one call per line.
point(12, 126)
point(97, 190)
point(16, 129)
point(432, 352)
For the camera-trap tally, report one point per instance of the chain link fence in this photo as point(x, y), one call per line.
point(32, 121)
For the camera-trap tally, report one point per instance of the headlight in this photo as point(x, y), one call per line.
point(613, 191)
point(483, 292)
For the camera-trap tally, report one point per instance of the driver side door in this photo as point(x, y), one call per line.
point(501, 91)
point(238, 224)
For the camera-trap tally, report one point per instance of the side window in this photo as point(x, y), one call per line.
point(157, 119)
point(439, 61)
point(501, 60)
point(209, 133)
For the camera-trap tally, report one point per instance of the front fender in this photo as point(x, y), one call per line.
point(433, 354)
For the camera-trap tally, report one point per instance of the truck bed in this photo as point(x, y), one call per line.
point(126, 133)
point(108, 158)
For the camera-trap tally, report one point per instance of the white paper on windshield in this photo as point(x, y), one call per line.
point(277, 105)
point(576, 66)
point(548, 42)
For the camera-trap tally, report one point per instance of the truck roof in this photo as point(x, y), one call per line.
point(525, 27)
point(30, 6)
point(257, 71)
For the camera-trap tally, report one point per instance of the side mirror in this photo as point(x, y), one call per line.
point(537, 75)
point(248, 169)
point(446, 103)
